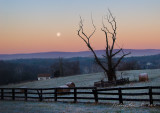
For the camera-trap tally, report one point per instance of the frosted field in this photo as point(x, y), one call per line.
point(82, 80)
point(89, 79)
point(59, 107)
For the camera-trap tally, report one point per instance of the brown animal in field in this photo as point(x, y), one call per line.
point(70, 84)
point(143, 77)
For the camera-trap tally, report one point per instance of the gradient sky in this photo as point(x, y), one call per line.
point(28, 26)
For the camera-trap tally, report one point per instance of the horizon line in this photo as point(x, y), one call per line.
point(67, 51)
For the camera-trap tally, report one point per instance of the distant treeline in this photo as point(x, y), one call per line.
point(14, 71)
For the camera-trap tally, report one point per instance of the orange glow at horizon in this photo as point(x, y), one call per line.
point(34, 40)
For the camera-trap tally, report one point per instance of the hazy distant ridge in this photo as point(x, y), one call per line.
point(134, 52)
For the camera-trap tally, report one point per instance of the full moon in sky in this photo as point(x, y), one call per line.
point(58, 34)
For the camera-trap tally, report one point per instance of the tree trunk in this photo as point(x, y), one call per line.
point(111, 75)
point(111, 71)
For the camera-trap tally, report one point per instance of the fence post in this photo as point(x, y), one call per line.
point(120, 96)
point(2, 94)
point(25, 94)
point(13, 94)
point(95, 94)
point(75, 95)
point(150, 96)
point(41, 95)
point(55, 94)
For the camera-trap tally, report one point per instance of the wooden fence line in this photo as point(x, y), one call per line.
point(94, 94)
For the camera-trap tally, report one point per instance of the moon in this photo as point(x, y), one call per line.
point(58, 34)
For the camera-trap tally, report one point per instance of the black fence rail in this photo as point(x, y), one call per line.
point(127, 91)
point(151, 93)
point(45, 93)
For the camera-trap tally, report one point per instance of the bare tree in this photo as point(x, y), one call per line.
point(110, 66)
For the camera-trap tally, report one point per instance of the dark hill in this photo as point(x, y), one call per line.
point(134, 52)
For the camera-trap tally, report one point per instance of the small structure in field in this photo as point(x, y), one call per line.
point(44, 76)
point(62, 89)
point(22, 89)
point(70, 84)
point(113, 83)
point(143, 77)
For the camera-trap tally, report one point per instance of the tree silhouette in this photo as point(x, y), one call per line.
point(110, 65)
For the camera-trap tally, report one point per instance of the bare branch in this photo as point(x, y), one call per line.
point(81, 29)
point(107, 44)
point(105, 28)
point(81, 26)
point(93, 26)
point(97, 59)
point(87, 41)
point(81, 37)
point(114, 30)
point(119, 60)
point(117, 52)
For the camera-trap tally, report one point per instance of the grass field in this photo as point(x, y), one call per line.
point(59, 107)
point(82, 80)
point(89, 79)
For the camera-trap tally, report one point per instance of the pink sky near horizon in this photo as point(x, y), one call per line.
point(28, 27)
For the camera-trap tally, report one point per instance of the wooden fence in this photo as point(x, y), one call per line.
point(121, 93)
point(78, 93)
